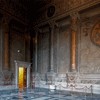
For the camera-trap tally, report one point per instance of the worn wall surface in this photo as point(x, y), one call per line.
point(63, 57)
point(43, 52)
point(16, 42)
point(1, 47)
point(61, 51)
point(17, 47)
point(87, 38)
point(89, 48)
point(62, 8)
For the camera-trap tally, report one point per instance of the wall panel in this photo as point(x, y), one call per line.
point(89, 52)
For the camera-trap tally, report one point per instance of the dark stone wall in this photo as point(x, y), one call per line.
point(43, 52)
point(14, 34)
point(87, 45)
point(61, 51)
point(18, 44)
point(17, 47)
point(1, 47)
point(89, 52)
point(62, 7)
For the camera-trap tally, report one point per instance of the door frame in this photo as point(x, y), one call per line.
point(22, 64)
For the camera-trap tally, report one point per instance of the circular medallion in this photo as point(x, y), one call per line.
point(50, 11)
point(95, 35)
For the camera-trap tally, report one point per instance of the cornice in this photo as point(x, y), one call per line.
point(66, 13)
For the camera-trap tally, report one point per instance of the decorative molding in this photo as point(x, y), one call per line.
point(50, 11)
point(75, 15)
point(37, 29)
point(52, 24)
point(95, 34)
point(74, 19)
point(63, 10)
point(87, 26)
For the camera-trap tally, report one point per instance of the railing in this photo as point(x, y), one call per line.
point(70, 82)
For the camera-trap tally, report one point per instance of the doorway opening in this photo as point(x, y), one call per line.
point(22, 78)
point(22, 74)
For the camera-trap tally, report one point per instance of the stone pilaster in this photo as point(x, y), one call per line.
point(36, 50)
point(52, 24)
point(1, 46)
point(36, 45)
point(5, 23)
point(57, 30)
point(74, 30)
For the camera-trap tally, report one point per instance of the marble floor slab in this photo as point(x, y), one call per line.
point(44, 95)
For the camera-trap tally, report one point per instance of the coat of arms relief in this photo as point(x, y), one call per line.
point(95, 34)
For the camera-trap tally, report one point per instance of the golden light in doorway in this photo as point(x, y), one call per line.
point(21, 77)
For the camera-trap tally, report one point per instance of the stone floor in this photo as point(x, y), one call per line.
point(42, 94)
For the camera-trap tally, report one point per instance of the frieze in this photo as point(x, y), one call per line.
point(86, 29)
point(63, 6)
point(95, 34)
point(74, 19)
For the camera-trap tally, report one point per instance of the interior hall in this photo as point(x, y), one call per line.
point(49, 49)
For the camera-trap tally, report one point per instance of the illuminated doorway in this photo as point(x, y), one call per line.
point(22, 74)
point(22, 77)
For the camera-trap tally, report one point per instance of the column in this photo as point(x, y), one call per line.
point(57, 30)
point(16, 73)
point(6, 43)
point(1, 46)
point(36, 46)
point(36, 51)
point(74, 20)
point(51, 46)
point(28, 76)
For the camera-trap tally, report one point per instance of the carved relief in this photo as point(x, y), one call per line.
point(73, 3)
point(89, 53)
point(74, 20)
point(95, 35)
point(62, 6)
point(87, 27)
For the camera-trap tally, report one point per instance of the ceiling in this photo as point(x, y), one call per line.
point(29, 7)
point(33, 6)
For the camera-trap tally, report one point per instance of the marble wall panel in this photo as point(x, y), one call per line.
point(61, 51)
point(43, 52)
point(89, 52)
point(64, 50)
